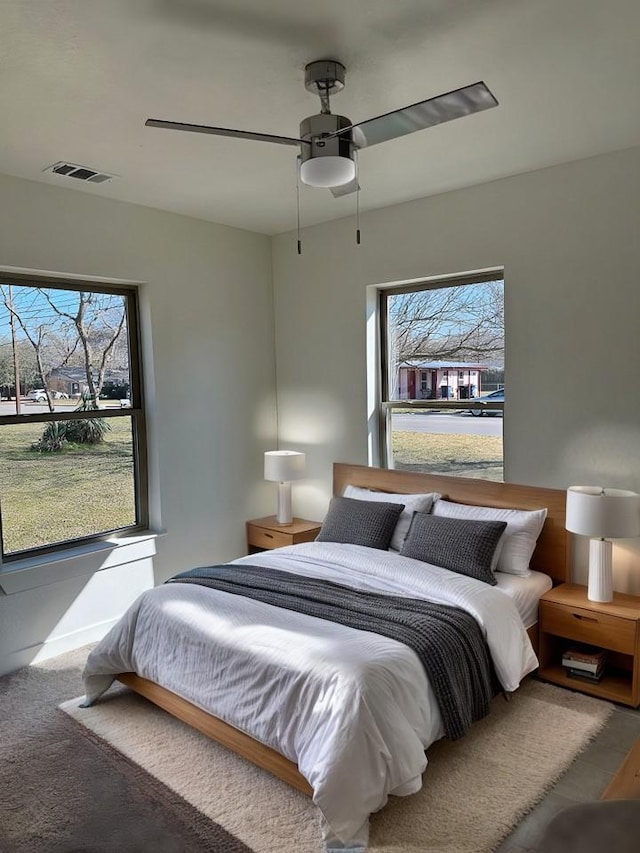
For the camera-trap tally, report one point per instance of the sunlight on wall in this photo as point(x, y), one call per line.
point(310, 499)
point(626, 571)
point(87, 619)
point(304, 428)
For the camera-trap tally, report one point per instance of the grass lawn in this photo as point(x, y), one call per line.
point(463, 455)
point(78, 491)
point(82, 490)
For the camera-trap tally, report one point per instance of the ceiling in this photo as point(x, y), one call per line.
point(78, 78)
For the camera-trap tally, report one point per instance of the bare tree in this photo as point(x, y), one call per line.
point(98, 320)
point(37, 335)
point(6, 364)
point(462, 322)
point(66, 328)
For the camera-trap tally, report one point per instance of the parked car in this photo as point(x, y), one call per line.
point(37, 395)
point(60, 395)
point(482, 405)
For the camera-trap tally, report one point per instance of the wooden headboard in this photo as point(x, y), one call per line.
point(552, 555)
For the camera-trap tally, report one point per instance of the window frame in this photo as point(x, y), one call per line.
point(135, 412)
point(386, 405)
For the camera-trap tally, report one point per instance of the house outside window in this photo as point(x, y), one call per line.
point(442, 354)
point(72, 427)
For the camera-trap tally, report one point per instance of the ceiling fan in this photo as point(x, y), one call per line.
point(328, 142)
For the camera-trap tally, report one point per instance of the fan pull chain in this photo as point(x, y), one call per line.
point(357, 165)
point(298, 205)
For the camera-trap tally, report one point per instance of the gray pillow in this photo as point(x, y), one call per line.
point(460, 545)
point(412, 503)
point(356, 522)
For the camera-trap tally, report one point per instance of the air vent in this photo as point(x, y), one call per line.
point(80, 173)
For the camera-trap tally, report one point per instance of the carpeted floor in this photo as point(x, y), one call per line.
point(64, 790)
point(167, 789)
point(476, 789)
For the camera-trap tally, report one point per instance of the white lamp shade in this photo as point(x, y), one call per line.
point(603, 513)
point(282, 466)
point(331, 171)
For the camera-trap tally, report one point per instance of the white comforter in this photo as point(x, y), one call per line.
point(353, 709)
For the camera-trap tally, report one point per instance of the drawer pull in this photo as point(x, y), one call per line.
point(269, 535)
point(584, 618)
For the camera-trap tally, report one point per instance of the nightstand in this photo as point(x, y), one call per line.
point(566, 615)
point(263, 534)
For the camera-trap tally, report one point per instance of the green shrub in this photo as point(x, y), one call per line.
point(83, 431)
point(52, 439)
point(87, 431)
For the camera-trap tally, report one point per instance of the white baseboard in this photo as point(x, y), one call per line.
point(67, 642)
point(55, 646)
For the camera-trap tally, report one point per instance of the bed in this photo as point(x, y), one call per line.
point(283, 702)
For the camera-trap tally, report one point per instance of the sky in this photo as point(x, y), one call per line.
point(35, 311)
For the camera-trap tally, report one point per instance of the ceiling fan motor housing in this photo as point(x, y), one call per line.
point(328, 160)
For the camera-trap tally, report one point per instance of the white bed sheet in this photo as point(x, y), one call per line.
point(525, 593)
point(353, 709)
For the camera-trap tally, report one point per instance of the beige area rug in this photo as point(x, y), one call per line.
point(475, 789)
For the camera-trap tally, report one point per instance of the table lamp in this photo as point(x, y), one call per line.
point(602, 514)
point(283, 466)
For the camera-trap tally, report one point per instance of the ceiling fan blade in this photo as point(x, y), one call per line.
point(345, 189)
point(223, 131)
point(461, 102)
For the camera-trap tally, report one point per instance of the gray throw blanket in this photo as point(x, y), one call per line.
point(448, 640)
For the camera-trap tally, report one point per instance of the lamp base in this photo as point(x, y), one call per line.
point(600, 572)
point(285, 516)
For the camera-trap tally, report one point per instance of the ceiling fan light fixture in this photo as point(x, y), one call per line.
point(333, 171)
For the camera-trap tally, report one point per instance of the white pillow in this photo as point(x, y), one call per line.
point(519, 538)
point(412, 503)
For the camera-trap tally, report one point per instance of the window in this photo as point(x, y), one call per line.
point(72, 434)
point(442, 348)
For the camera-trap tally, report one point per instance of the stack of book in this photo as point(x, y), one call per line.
point(584, 662)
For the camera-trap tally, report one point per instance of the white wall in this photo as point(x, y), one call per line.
point(568, 238)
point(210, 380)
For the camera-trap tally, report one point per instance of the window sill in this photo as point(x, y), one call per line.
point(33, 572)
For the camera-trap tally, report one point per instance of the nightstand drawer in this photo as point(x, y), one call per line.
point(589, 626)
point(259, 537)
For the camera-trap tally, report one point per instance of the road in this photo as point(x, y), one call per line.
point(433, 422)
point(8, 407)
point(443, 422)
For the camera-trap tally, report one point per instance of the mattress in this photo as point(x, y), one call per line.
point(525, 593)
